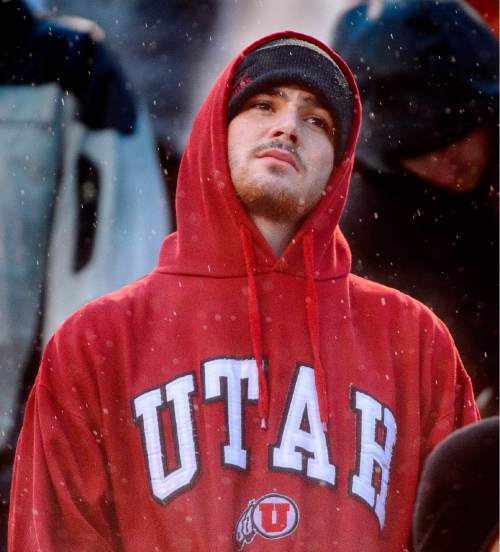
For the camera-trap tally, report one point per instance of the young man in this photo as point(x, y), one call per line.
point(249, 393)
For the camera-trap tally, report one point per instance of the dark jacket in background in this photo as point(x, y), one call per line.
point(428, 76)
point(159, 44)
point(457, 501)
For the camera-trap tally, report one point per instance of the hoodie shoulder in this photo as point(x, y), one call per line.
point(100, 329)
point(108, 311)
point(376, 300)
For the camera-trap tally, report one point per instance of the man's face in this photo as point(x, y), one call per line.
point(458, 167)
point(280, 148)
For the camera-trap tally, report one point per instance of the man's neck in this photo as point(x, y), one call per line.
point(277, 234)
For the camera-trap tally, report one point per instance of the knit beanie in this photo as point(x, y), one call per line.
point(296, 61)
point(427, 72)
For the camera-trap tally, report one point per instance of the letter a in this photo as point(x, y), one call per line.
point(294, 440)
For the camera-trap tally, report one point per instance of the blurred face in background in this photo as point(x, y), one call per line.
point(458, 167)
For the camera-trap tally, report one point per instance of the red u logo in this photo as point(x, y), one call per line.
point(274, 516)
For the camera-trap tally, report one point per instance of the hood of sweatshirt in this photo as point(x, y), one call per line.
point(210, 217)
point(217, 238)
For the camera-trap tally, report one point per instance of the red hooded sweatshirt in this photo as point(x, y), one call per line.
point(145, 428)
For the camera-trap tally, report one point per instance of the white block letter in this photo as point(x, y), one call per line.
point(147, 409)
point(231, 372)
point(303, 430)
point(371, 453)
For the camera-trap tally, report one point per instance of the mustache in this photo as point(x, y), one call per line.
point(279, 145)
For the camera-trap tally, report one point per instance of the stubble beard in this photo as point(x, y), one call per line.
point(263, 197)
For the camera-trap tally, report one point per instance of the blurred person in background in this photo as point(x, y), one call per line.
point(457, 500)
point(160, 44)
point(83, 208)
point(422, 214)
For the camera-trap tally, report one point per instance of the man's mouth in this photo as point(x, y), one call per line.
point(280, 155)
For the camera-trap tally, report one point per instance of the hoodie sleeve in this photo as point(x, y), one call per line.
point(447, 393)
point(60, 495)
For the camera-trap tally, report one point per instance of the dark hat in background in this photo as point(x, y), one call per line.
point(296, 61)
point(427, 72)
point(457, 500)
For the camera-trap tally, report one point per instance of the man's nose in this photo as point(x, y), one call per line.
point(286, 127)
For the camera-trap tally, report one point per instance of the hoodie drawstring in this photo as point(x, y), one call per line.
point(312, 312)
point(313, 326)
point(255, 329)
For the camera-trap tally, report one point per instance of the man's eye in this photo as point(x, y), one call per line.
point(263, 105)
point(319, 122)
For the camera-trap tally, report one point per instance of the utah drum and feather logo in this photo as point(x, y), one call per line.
point(272, 516)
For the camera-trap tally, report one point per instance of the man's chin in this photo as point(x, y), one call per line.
point(282, 207)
